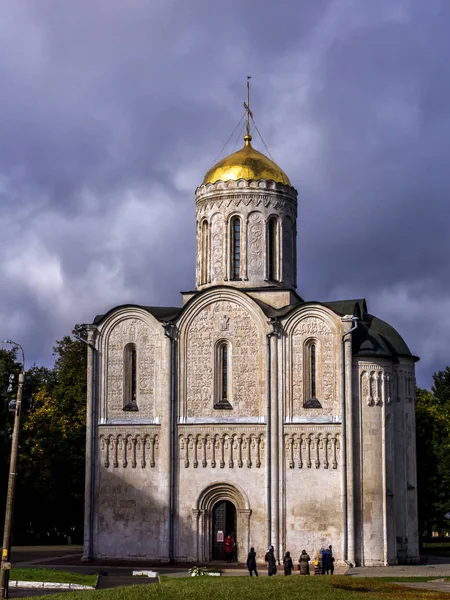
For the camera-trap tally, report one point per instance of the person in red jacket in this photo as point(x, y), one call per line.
point(229, 546)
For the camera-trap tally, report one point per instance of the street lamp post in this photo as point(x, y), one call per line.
point(5, 562)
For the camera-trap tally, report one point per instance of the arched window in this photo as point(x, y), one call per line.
point(130, 378)
point(272, 249)
point(235, 248)
point(311, 382)
point(313, 370)
point(222, 376)
point(204, 253)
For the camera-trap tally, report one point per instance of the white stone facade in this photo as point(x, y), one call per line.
point(175, 426)
point(254, 204)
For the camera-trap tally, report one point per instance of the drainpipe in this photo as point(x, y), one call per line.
point(273, 323)
point(344, 440)
point(170, 332)
point(91, 428)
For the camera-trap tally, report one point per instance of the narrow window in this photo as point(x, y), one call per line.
point(235, 248)
point(133, 375)
point(272, 250)
point(224, 362)
point(313, 371)
point(130, 378)
point(222, 394)
point(312, 385)
point(204, 265)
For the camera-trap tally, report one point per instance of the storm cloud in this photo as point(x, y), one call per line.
point(112, 111)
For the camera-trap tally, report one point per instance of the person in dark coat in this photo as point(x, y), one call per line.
point(330, 559)
point(325, 565)
point(287, 563)
point(304, 563)
point(271, 562)
point(251, 562)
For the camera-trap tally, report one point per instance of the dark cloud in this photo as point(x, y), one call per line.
point(112, 112)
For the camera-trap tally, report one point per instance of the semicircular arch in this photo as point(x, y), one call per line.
point(219, 491)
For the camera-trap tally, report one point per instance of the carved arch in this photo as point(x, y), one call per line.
point(222, 491)
point(111, 364)
point(225, 309)
point(319, 325)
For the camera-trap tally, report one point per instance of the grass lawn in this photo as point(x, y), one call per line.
point(273, 588)
point(52, 575)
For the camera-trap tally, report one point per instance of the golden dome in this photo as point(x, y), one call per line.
point(246, 163)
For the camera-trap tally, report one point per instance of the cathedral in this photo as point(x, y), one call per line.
point(249, 411)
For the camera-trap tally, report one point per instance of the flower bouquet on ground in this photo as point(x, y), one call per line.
point(203, 571)
point(198, 571)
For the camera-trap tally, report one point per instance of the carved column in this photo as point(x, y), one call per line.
point(243, 531)
point(275, 533)
point(350, 444)
point(196, 518)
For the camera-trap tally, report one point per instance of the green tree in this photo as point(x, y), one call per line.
point(52, 450)
point(433, 453)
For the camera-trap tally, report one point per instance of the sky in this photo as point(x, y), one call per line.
point(112, 111)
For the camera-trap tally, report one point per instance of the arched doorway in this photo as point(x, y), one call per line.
point(224, 523)
point(213, 495)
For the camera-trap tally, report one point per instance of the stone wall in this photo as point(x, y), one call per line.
point(254, 203)
point(223, 316)
point(132, 493)
point(223, 454)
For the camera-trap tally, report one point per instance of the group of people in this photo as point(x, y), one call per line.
point(324, 559)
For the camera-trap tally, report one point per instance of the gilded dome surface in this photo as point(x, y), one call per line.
point(246, 163)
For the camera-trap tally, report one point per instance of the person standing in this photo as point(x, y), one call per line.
point(330, 559)
point(271, 562)
point(287, 563)
point(251, 562)
point(325, 566)
point(229, 544)
point(304, 563)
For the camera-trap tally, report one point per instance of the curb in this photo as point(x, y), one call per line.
point(49, 585)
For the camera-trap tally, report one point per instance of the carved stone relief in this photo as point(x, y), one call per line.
point(222, 449)
point(139, 333)
point(230, 321)
point(307, 449)
point(128, 450)
point(314, 328)
point(255, 251)
point(376, 385)
point(217, 233)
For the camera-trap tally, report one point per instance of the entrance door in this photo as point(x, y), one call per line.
point(223, 524)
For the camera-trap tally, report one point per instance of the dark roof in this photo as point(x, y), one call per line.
point(376, 338)
point(373, 337)
point(356, 307)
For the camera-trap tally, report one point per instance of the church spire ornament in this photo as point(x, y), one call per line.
point(249, 114)
point(246, 221)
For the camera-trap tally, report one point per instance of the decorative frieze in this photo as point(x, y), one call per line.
point(376, 385)
point(125, 449)
point(308, 449)
point(220, 449)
